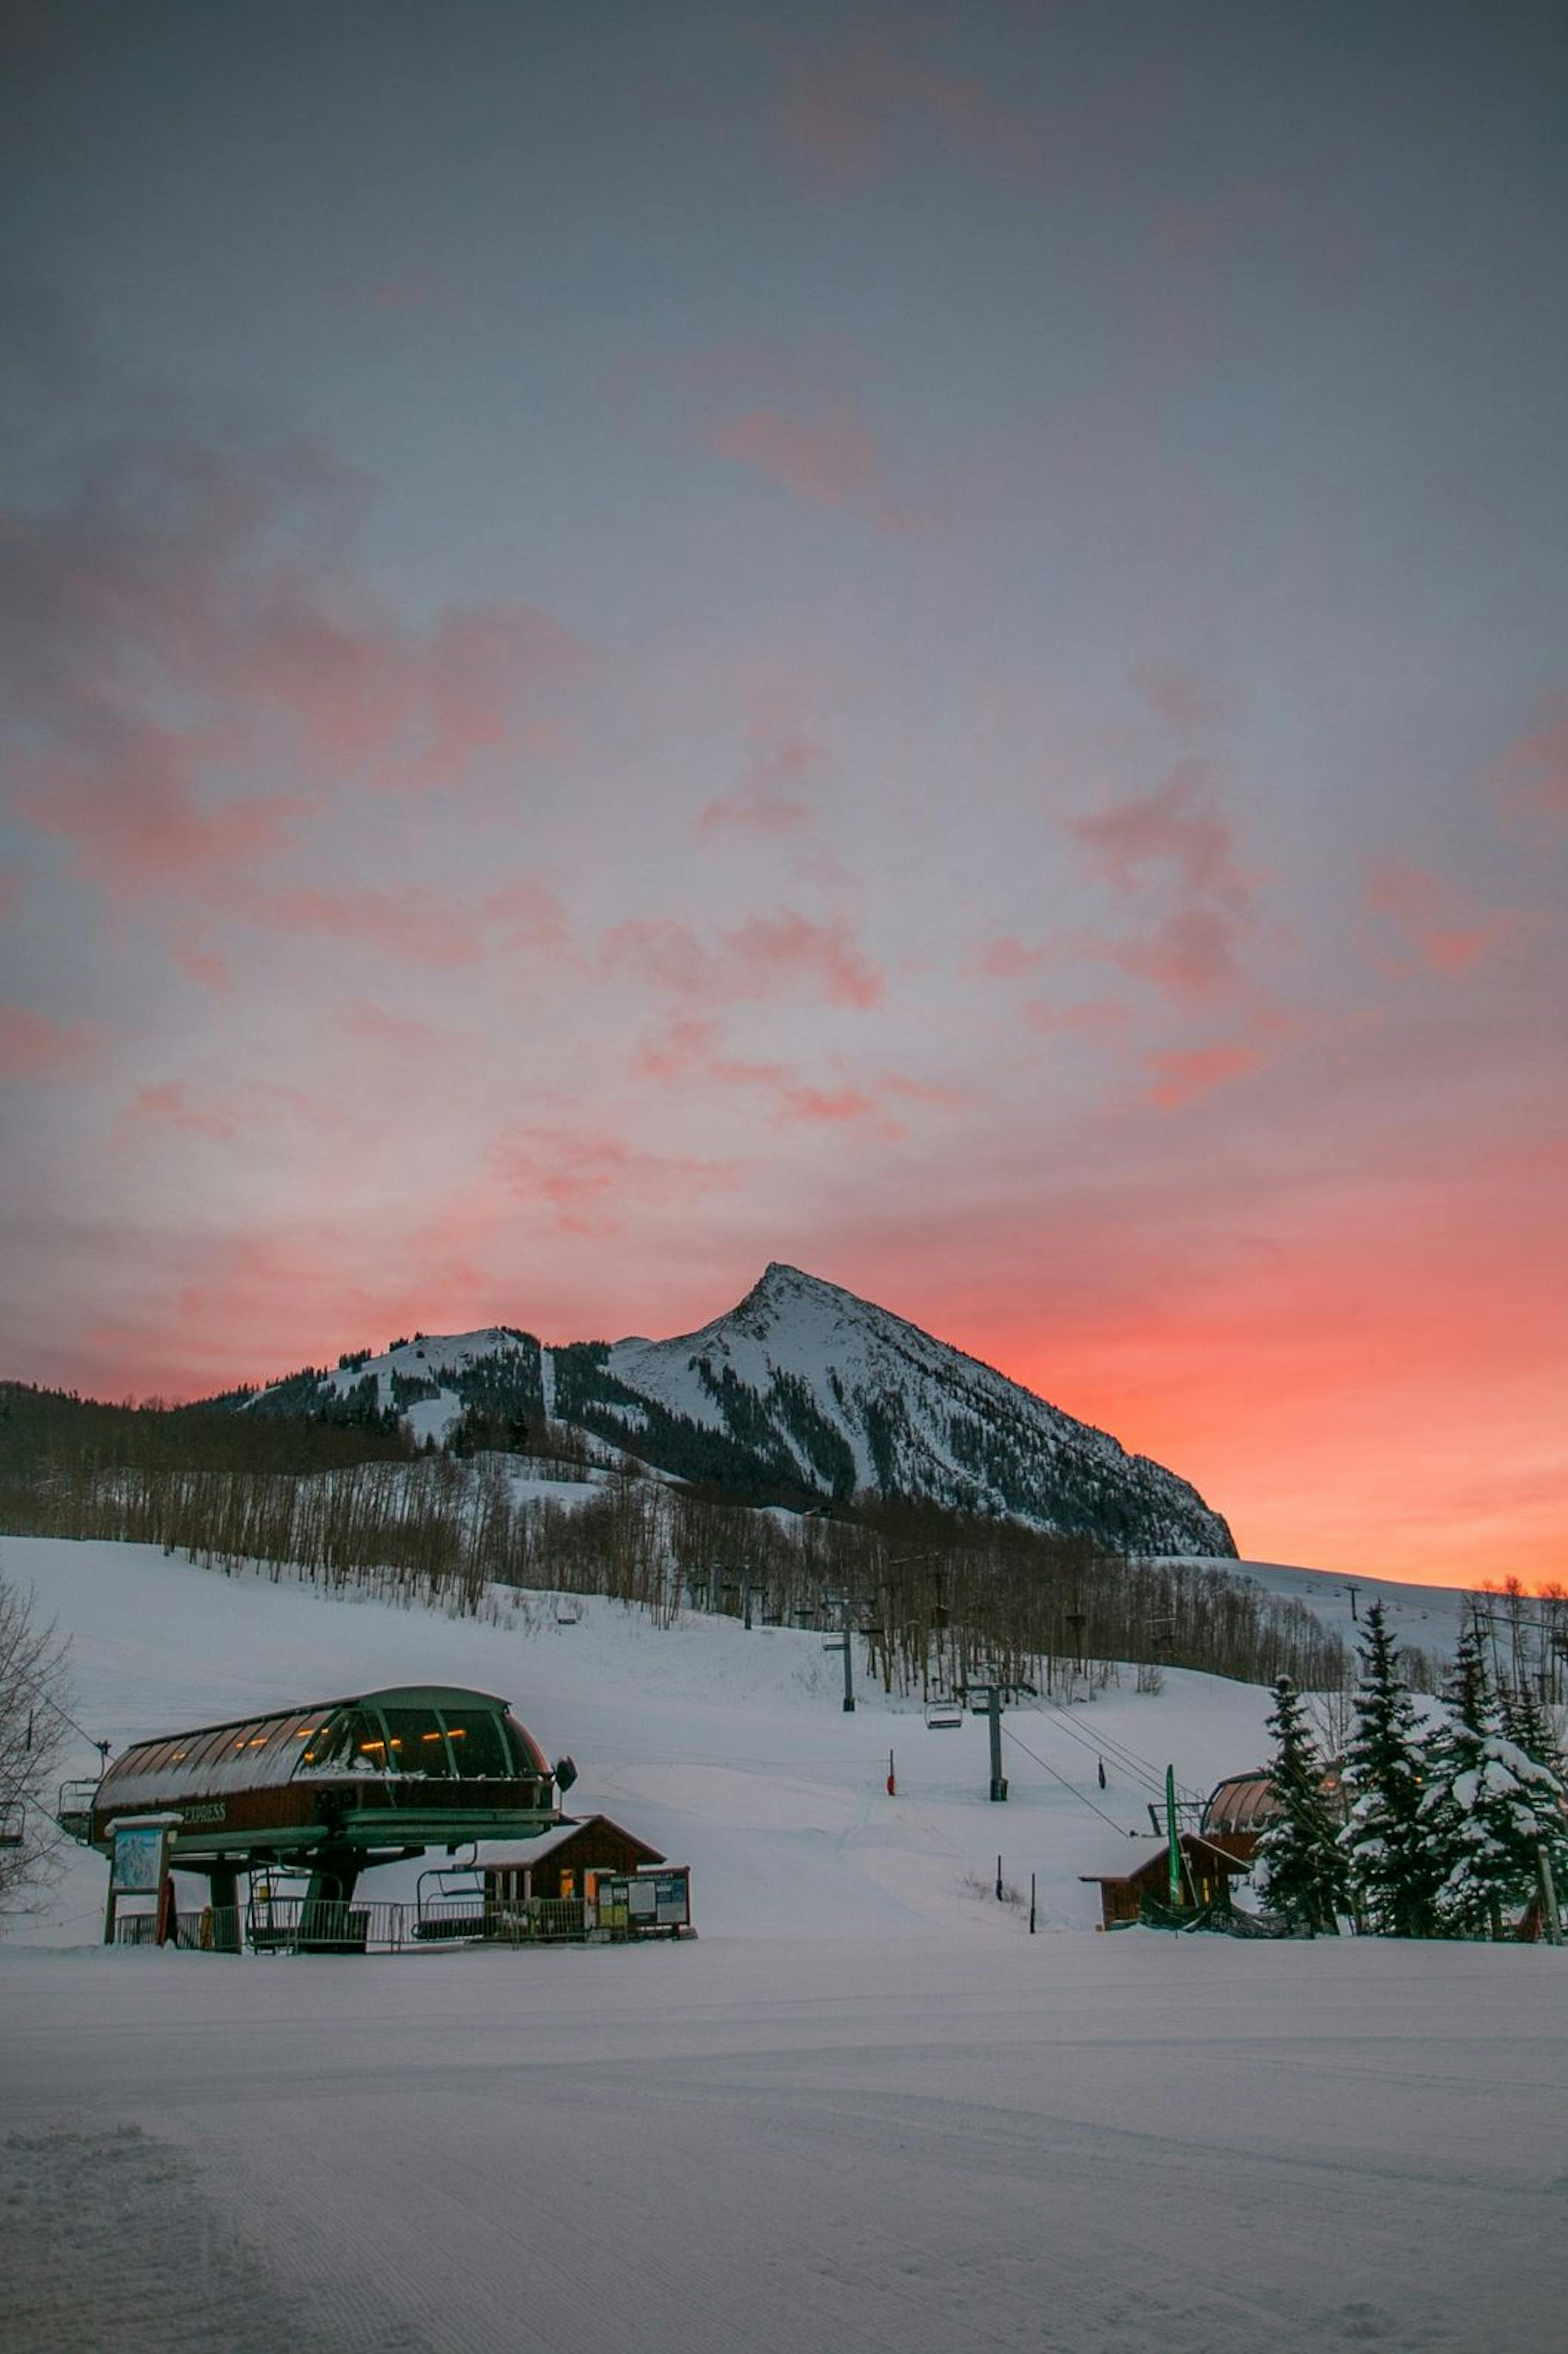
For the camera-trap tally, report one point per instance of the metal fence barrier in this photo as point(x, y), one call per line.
point(296, 1924)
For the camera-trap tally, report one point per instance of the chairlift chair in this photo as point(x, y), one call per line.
point(11, 1823)
point(568, 1610)
point(944, 1715)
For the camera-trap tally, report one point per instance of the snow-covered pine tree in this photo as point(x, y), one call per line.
point(1526, 1722)
point(1392, 1867)
point(1490, 1807)
point(1302, 1869)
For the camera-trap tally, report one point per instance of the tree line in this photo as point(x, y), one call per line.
point(934, 1599)
point(1448, 1828)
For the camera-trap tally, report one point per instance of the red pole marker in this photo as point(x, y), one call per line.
point(892, 1781)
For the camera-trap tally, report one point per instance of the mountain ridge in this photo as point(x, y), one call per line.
point(802, 1394)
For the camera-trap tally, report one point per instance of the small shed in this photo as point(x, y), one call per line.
point(556, 1865)
point(1210, 1867)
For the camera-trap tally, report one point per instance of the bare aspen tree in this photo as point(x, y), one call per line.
point(33, 1735)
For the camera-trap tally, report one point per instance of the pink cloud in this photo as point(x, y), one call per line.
point(831, 461)
point(1169, 852)
point(833, 1108)
point(410, 922)
point(377, 703)
point(1008, 959)
point(1181, 1076)
point(1533, 773)
point(1094, 1018)
point(32, 1047)
point(588, 1179)
point(767, 801)
point(191, 615)
point(843, 112)
point(759, 959)
point(684, 1046)
point(1169, 828)
point(1443, 927)
point(1185, 703)
point(687, 1055)
point(403, 1033)
point(169, 1105)
point(1190, 954)
point(202, 963)
point(132, 812)
point(792, 947)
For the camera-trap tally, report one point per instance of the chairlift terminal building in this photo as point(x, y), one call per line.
point(335, 1788)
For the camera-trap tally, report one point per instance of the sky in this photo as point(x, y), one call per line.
point(924, 641)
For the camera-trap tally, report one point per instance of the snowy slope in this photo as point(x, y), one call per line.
point(802, 1392)
point(729, 1750)
point(864, 2113)
point(1426, 1615)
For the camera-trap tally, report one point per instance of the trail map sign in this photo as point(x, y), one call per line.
point(138, 1865)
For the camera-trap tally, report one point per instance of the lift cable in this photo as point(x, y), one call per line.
point(1120, 1829)
point(1101, 1745)
point(1143, 1768)
point(50, 1700)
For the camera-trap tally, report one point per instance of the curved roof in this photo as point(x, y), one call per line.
point(1245, 1802)
point(264, 1751)
point(1242, 1802)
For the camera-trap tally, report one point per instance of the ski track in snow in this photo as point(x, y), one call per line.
point(864, 2113)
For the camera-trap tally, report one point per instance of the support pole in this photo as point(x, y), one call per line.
point(1172, 1840)
point(993, 1711)
point(223, 1884)
point(849, 1661)
point(1032, 1904)
point(1551, 1916)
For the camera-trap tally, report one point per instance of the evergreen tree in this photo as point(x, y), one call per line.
point(1393, 1867)
point(1490, 1806)
point(1302, 1867)
point(1526, 1722)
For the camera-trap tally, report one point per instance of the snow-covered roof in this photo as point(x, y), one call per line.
point(504, 1855)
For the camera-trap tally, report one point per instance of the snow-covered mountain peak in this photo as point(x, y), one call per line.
point(801, 1391)
point(841, 1395)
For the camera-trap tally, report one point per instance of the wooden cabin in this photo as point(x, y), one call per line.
point(556, 1865)
point(1210, 1869)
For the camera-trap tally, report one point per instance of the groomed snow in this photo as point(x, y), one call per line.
point(864, 2110)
